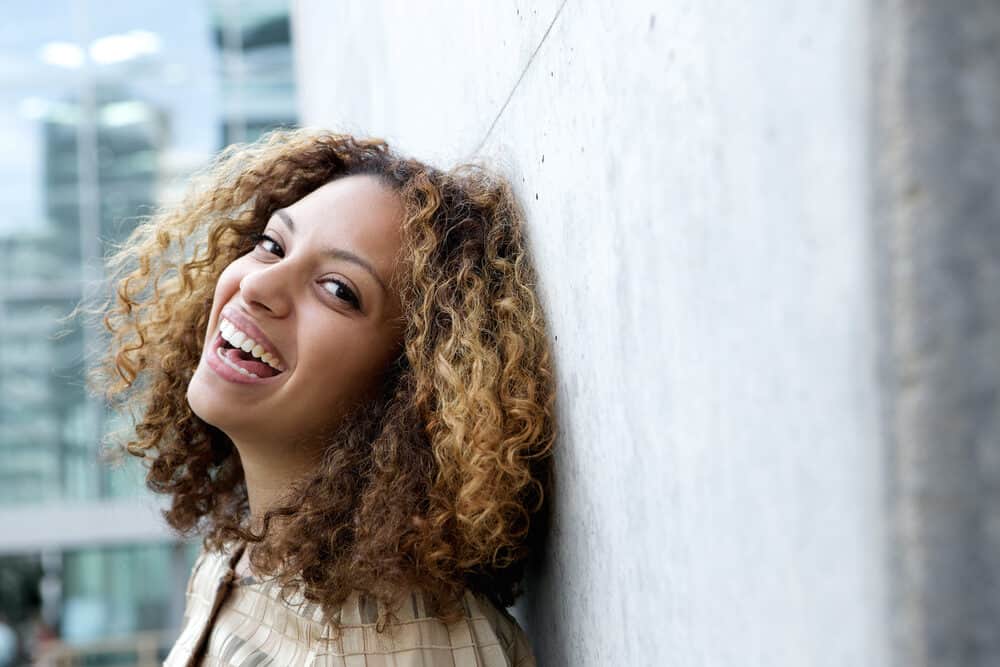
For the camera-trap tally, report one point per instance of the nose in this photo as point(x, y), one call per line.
point(266, 289)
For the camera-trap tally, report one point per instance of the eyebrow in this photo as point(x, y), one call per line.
point(336, 253)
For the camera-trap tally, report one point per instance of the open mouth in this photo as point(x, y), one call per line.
point(243, 361)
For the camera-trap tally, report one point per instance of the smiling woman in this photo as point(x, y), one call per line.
point(310, 296)
point(343, 379)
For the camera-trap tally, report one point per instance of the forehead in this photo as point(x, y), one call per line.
point(359, 202)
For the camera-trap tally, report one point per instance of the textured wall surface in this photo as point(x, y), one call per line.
point(938, 142)
point(695, 177)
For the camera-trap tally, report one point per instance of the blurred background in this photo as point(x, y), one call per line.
point(768, 241)
point(105, 107)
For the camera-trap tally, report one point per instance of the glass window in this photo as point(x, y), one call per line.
point(105, 109)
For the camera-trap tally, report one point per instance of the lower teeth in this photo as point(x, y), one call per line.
point(234, 366)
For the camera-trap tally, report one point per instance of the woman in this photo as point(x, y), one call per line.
point(342, 378)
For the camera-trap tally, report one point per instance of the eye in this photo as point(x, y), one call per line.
point(341, 291)
point(268, 244)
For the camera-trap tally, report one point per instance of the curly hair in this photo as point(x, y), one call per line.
point(438, 483)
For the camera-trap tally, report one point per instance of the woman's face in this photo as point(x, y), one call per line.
point(312, 299)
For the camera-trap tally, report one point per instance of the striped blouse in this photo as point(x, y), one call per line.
point(229, 621)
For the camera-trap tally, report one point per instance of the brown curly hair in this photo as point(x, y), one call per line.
point(438, 483)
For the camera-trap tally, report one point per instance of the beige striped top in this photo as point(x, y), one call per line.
point(230, 621)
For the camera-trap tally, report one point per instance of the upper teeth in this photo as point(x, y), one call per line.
point(237, 338)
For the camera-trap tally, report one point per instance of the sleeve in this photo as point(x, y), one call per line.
point(189, 588)
point(180, 651)
point(509, 633)
point(199, 559)
point(519, 649)
point(520, 654)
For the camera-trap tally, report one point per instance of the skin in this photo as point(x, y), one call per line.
point(334, 354)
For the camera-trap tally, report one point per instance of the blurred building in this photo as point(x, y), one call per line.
point(105, 108)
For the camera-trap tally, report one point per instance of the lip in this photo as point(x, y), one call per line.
point(223, 370)
point(250, 328)
point(247, 326)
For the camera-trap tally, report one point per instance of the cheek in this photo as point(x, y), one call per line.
point(227, 284)
point(230, 277)
point(343, 358)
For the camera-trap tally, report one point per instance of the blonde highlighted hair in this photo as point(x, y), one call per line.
point(435, 485)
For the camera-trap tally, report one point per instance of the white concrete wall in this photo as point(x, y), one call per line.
point(695, 176)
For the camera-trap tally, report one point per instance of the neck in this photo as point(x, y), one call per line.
point(270, 475)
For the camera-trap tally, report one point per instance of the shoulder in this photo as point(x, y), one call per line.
point(209, 570)
point(487, 636)
point(207, 559)
point(508, 631)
